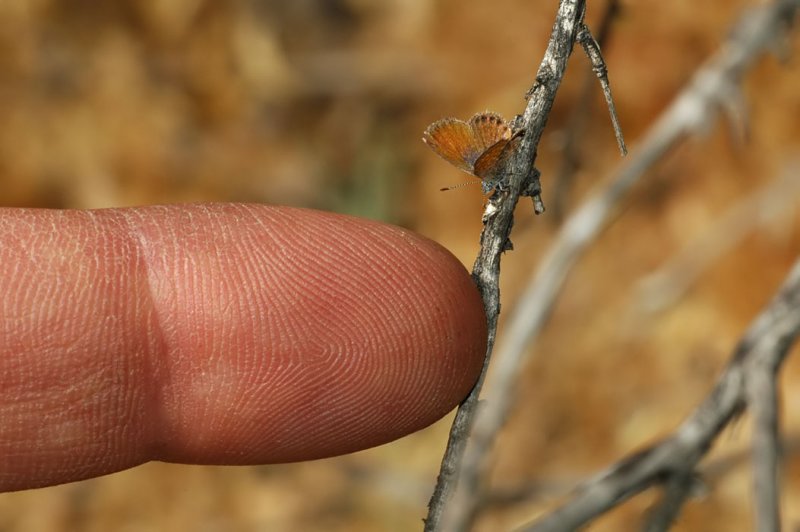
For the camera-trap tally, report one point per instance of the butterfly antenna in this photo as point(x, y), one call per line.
point(460, 185)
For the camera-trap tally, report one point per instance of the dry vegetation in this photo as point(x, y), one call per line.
point(321, 104)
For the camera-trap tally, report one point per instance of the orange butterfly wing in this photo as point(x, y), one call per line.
point(489, 129)
point(454, 141)
point(487, 163)
point(479, 146)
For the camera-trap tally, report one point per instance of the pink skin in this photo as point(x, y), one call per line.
point(224, 334)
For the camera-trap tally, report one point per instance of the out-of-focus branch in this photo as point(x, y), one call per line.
point(762, 398)
point(710, 473)
point(693, 110)
point(764, 347)
point(671, 281)
point(676, 490)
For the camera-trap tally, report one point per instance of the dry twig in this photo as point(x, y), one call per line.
point(523, 180)
point(592, 50)
point(579, 111)
point(693, 110)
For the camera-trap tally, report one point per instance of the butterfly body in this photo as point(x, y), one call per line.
point(480, 146)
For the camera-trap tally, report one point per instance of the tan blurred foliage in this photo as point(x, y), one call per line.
point(322, 103)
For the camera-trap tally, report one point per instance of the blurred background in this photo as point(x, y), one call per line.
point(321, 104)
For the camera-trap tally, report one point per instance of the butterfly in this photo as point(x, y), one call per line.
point(480, 146)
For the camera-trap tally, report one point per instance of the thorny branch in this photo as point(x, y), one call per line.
point(445, 513)
point(495, 238)
point(592, 50)
point(712, 89)
point(579, 111)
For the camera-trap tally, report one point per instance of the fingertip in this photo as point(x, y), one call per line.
point(227, 334)
point(360, 333)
